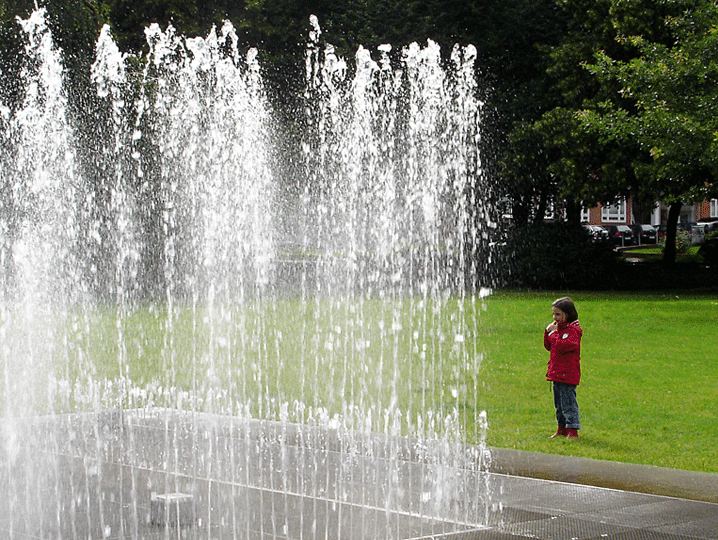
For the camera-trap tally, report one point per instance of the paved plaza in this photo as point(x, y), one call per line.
point(164, 477)
point(524, 508)
point(550, 510)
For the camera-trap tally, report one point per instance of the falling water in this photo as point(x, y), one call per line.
point(169, 328)
point(392, 161)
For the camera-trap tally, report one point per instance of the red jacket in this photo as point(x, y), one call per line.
point(564, 364)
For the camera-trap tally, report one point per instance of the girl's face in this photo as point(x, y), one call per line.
point(558, 315)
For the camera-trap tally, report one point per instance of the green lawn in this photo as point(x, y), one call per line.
point(649, 392)
point(654, 253)
point(369, 355)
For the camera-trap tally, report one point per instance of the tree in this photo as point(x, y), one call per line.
point(666, 103)
point(517, 93)
point(609, 133)
point(75, 25)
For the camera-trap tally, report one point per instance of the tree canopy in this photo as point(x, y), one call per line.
point(587, 101)
point(662, 105)
point(635, 88)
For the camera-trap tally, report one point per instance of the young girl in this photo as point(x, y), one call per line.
point(562, 338)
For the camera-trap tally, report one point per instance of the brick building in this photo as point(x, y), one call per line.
point(620, 213)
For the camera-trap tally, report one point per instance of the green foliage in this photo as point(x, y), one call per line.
point(74, 24)
point(670, 115)
point(557, 255)
point(666, 99)
point(586, 100)
point(190, 17)
point(584, 166)
point(683, 242)
point(639, 79)
point(709, 251)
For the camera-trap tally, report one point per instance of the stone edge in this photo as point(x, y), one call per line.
point(649, 479)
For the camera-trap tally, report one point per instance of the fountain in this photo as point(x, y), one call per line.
point(191, 350)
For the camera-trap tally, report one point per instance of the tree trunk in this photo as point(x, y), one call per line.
point(519, 213)
point(642, 207)
point(669, 251)
point(573, 211)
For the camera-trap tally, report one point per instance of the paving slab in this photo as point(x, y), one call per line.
point(565, 510)
point(251, 483)
point(624, 476)
point(522, 508)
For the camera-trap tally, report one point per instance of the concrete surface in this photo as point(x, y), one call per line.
point(624, 476)
point(95, 477)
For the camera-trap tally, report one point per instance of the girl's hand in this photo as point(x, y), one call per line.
point(552, 327)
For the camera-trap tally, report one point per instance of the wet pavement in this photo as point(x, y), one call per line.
point(692, 485)
point(171, 477)
point(523, 508)
point(534, 508)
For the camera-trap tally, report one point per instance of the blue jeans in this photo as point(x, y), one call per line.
point(564, 399)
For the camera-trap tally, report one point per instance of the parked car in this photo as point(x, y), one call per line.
point(596, 232)
point(707, 226)
point(620, 235)
point(645, 234)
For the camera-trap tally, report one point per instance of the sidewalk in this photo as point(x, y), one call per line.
point(548, 497)
point(624, 476)
point(528, 508)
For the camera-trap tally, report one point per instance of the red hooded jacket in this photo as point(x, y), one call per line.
point(564, 364)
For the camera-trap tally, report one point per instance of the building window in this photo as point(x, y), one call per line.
point(585, 214)
point(714, 207)
point(614, 212)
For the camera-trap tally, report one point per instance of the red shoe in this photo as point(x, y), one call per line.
point(571, 433)
point(560, 432)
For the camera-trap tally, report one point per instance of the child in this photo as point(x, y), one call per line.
point(563, 339)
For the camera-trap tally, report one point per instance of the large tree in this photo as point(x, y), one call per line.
point(621, 123)
point(665, 105)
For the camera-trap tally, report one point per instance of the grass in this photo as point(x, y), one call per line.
point(654, 253)
point(648, 392)
point(374, 355)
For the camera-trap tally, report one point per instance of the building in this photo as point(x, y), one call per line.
point(620, 213)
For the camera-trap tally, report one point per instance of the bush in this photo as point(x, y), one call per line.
point(683, 242)
point(709, 252)
point(556, 256)
point(560, 256)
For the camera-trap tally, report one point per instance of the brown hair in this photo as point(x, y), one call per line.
point(566, 305)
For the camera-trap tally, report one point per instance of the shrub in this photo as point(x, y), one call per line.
point(709, 252)
point(556, 256)
point(683, 242)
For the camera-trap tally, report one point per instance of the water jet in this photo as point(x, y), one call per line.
point(185, 342)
